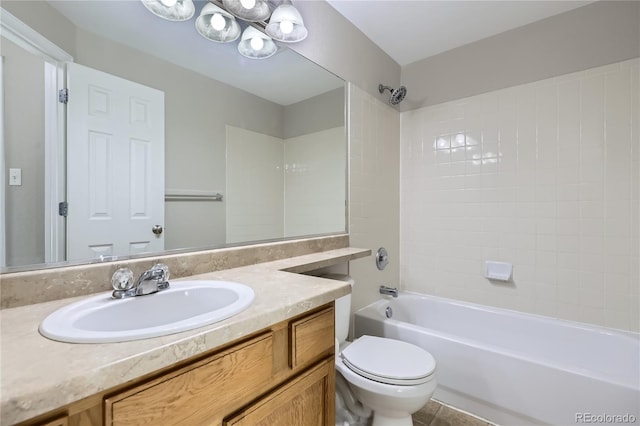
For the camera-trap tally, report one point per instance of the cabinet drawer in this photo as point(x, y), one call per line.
point(307, 400)
point(312, 337)
point(200, 394)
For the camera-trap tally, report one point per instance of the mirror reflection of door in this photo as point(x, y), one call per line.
point(115, 165)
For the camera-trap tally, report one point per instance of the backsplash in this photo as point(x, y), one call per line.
point(544, 175)
point(25, 288)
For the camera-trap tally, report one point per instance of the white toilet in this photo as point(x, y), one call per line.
point(393, 378)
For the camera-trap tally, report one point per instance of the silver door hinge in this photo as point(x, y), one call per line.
point(63, 208)
point(63, 96)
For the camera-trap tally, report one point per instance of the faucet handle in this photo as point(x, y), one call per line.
point(163, 280)
point(122, 279)
point(165, 271)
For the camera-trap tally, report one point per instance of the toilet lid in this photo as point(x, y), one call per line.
point(389, 361)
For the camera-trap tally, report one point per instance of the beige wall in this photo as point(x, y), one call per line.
point(597, 34)
point(322, 112)
point(24, 139)
point(374, 160)
point(336, 45)
point(544, 175)
point(46, 20)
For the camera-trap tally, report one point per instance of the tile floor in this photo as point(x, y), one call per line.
point(436, 414)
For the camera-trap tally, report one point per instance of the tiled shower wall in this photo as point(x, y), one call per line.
point(544, 175)
point(284, 187)
point(314, 172)
point(255, 180)
point(374, 191)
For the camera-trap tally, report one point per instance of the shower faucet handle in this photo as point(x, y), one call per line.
point(382, 258)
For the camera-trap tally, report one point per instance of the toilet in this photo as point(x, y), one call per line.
point(392, 378)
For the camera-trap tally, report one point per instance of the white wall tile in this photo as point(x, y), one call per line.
point(569, 122)
point(374, 188)
point(314, 166)
point(309, 168)
point(592, 104)
point(255, 177)
point(544, 175)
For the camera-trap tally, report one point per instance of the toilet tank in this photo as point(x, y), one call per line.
point(342, 308)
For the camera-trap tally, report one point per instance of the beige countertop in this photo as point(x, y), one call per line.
point(39, 375)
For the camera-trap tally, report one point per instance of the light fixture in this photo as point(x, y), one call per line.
point(171, 10)
point(255, 44)
point(216, 24)
point(286, 24)
point(248, 10)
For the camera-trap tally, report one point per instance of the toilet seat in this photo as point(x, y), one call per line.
point(389, 361)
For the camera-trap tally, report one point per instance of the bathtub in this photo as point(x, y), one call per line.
point(514, 368)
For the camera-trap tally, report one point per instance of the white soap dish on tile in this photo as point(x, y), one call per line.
point(499, 271)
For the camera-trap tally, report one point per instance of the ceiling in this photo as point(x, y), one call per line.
point(411, 30)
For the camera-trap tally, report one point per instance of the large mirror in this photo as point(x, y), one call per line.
point(252, 150)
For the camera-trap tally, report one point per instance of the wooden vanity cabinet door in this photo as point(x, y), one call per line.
point(307, 400)
point(202, 394)
point(312, 337)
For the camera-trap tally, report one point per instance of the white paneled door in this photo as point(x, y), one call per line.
point(115, 165)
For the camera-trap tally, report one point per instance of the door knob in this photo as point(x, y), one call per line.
point(157, 229)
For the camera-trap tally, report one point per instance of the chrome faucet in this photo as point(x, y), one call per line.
point(391, 291)
point(150, 281)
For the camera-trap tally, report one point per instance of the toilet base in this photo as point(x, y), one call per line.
point(380, 420)
point(392, 405)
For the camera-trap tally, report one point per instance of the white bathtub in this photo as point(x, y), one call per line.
point(513, 368)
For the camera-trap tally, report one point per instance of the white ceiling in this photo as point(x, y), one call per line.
point(411, 30)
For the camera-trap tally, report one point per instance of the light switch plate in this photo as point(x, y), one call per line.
point(15, 177)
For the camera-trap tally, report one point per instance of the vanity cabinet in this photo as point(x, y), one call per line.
point(305, 401)
point(283, 375)
point(201, 393)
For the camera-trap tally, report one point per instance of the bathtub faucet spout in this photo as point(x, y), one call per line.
point(391, 291)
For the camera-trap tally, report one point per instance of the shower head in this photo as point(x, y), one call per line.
point(397, 95)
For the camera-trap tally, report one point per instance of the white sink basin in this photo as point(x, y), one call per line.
point(185, 305)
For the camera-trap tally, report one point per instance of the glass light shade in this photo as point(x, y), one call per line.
point(258, 12)
point(217, 25)
point(286, 24)
point(180, 10)
point(256, 45)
